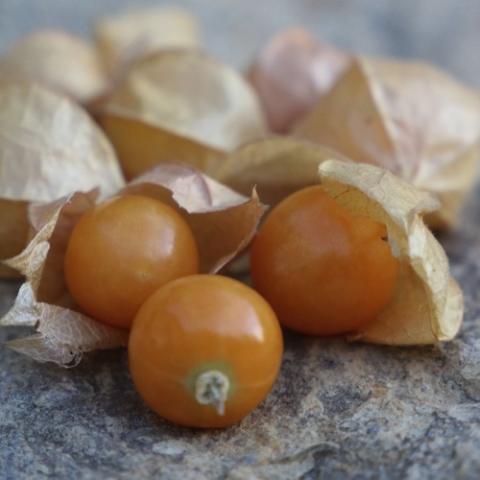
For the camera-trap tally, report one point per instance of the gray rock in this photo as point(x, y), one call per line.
point(339, 410)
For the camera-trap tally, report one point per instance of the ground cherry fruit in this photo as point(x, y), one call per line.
point(204, 351)
point(121, 251)
point(323, 270)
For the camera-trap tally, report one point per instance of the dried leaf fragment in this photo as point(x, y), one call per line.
point(291, 72)
point(48, 147)
point(124, 38)
point(57, 60)
point(427, 306)
point(180, 106)
point(409, 118)
point(223, 223)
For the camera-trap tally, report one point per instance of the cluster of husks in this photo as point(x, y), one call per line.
point(381, 135)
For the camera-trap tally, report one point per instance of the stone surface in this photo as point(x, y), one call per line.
point(339, 410)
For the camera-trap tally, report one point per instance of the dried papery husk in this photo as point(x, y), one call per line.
point(57, 60)
point(124, 38)
point(276, 166)
point(427, 305)
point(14, 232)
point(291, 72)
point(141, 146)
point(223, 223)
point(410, 118)
point(180, 106)
point(48, 147)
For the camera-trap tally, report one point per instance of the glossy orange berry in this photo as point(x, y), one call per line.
point(323, 270)
point(121, 251)
point(205, 350)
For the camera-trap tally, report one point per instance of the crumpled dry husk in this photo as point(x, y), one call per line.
point(223, 223)
point(427, 305)
point(124, 38)
point(291, 72)
point(48, 147)
point(57, 60)
point(276, 166)
point(409, 118)
point(180, 106)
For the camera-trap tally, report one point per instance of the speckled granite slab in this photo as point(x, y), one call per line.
point(339, 410)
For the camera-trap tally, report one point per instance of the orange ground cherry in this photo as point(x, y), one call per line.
point(205, 350)
point(121, 251)
point(323, 270)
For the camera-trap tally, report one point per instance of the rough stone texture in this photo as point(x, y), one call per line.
point(339, 410)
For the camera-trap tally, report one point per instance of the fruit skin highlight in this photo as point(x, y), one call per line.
point(121, 251)
point(204, 351)
point(323, 270)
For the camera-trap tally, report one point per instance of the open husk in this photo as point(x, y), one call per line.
point(48, 147)
point(291, 72)
point(409, 118)
point(427, 305)
point(126, 37)
point(180, 106)
point(223, 223)
point(57, 60)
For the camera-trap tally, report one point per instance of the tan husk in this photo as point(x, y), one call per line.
point(409, 118)
point(223, 223)
point(291, 72)
point(57, 60)
point(121, 39)
point(14, 231)
point(277, 166)
point(141, 146)
point(180, 105)
point(427, 305)
point(48, 147)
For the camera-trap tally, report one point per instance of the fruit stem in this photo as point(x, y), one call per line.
point(211, 388)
